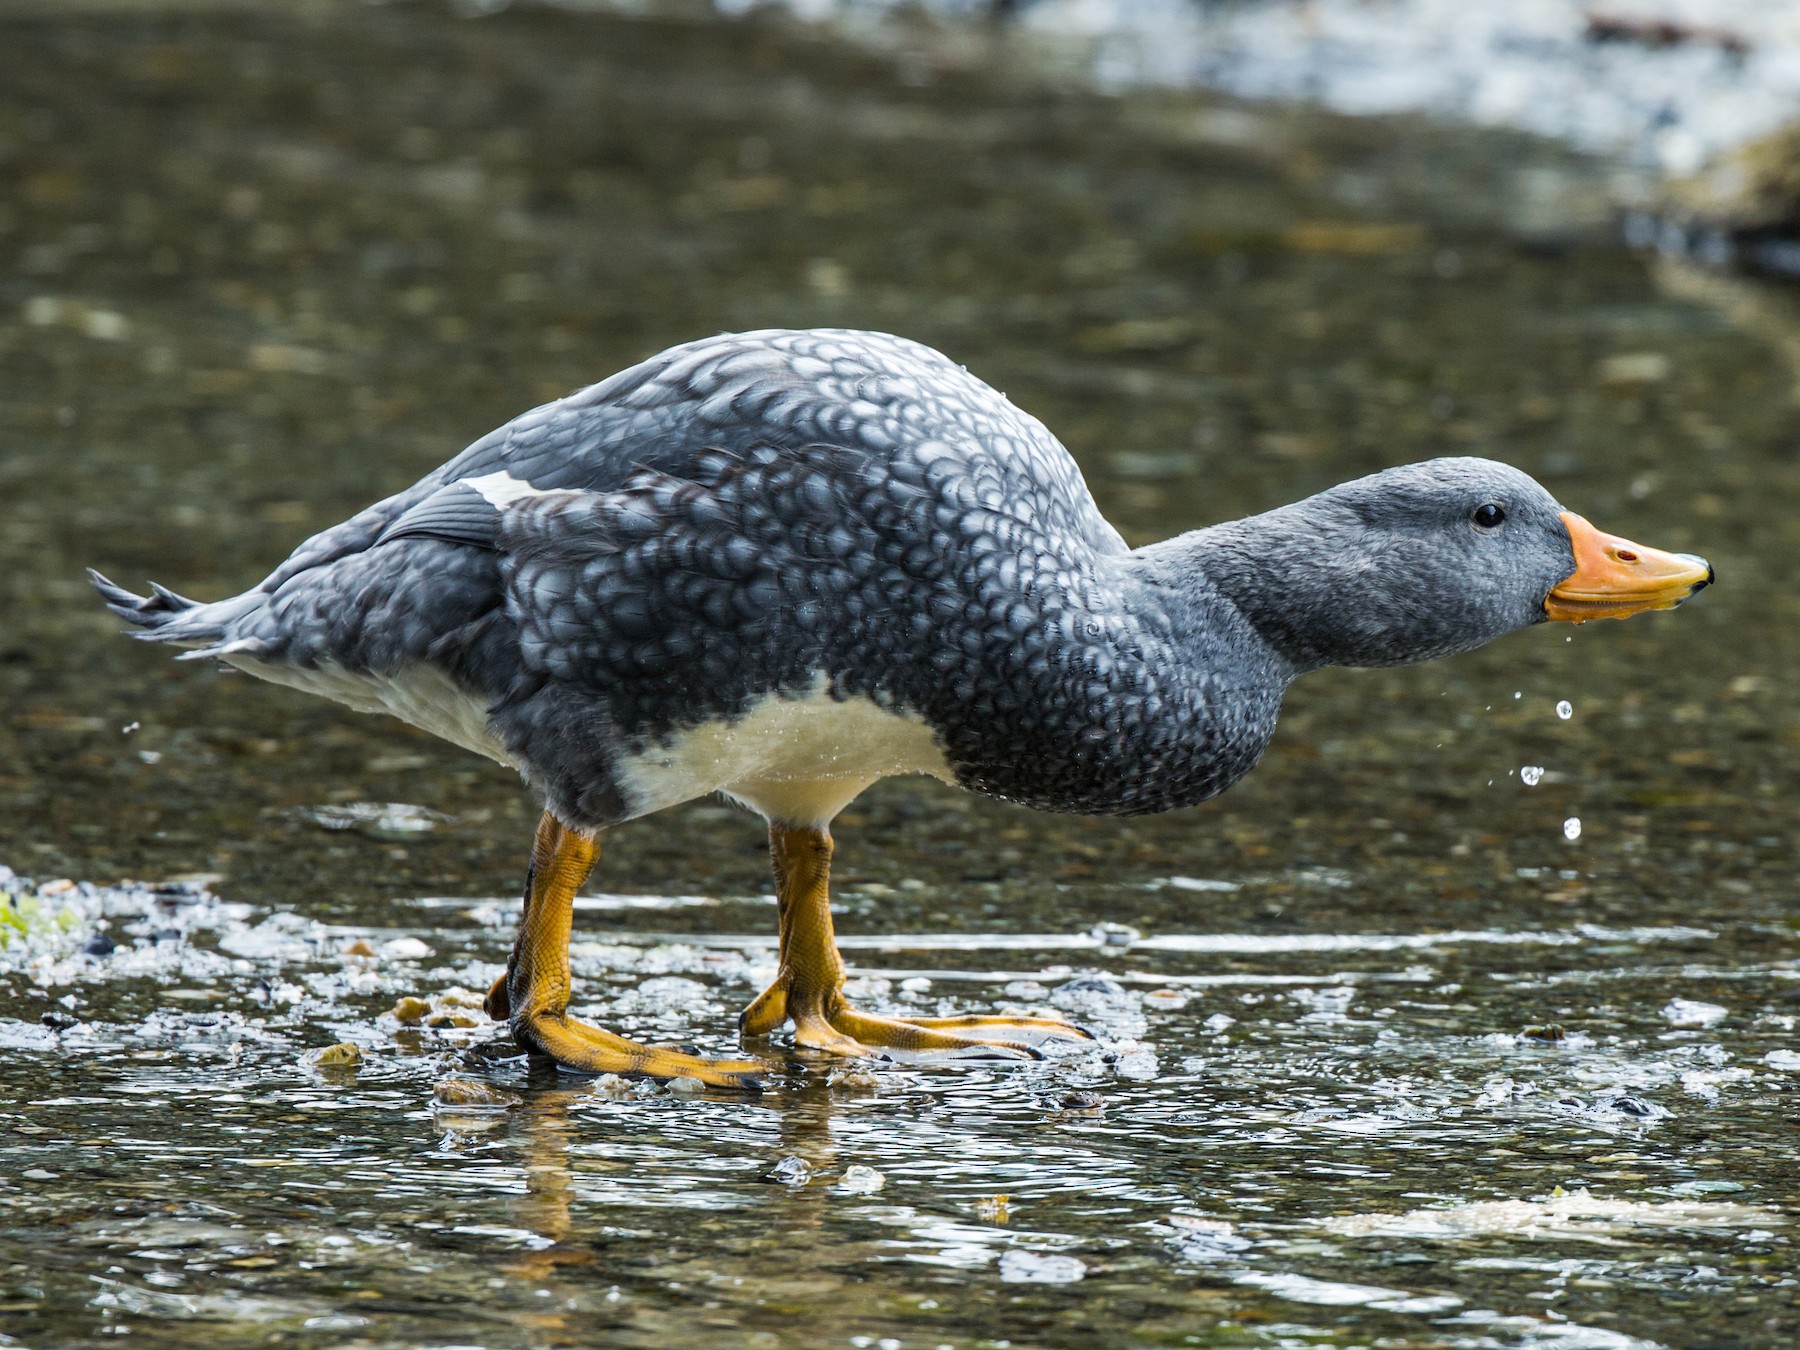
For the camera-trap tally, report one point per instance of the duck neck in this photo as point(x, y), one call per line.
point(1223, 586)
point(1271, 574)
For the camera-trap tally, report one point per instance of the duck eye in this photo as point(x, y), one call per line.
point(1489, 514)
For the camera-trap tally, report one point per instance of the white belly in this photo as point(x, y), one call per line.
point(795, 760)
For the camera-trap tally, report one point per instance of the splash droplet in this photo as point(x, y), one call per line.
point(1572, 828)
point(1530, 775)
point(1565, 710)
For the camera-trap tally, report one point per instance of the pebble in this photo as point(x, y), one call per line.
point(1683, 1012)
point(410, 1011)
point(343, 1055)
point(790, 1171)
point(853, 1079)
point(469, 1094)
point(861, 1180)
point(684, 1087)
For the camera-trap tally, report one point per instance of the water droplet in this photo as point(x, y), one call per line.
point(1572, 828)
point(1530, 774)
point(1565, 710)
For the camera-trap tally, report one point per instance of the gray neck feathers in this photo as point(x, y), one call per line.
point(1321, 590)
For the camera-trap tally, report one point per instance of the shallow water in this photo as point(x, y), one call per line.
point(1386, 1058)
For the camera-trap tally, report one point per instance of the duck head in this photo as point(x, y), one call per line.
point(1430, 559)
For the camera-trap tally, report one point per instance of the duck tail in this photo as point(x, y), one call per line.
point(165, 616)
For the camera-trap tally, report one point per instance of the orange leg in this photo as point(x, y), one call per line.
point(535, 990)
point(809, 984)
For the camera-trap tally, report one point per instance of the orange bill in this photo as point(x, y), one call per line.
point(1615, 578)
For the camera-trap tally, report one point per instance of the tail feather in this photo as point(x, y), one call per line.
point(167, 617)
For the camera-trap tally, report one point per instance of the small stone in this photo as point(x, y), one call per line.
point(343, 1055)
point(994, 1208)
point(1081, 1101)
point(1549, 1031)
point(360, 947)
point(860, 1180)
point(468, 1094)
point(405, 949)
point(100, 944)
point(790, 1171)
point(613, 1085)
point(853, 1079)
point(410, 1011)
point(1682, 1012)
point(684, 1087)
point(57, 1020)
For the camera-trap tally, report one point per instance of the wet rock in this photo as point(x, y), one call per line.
point(343, 1055)
point(1547, 1031)
point(861, 1180)
point(613, 1085)
point(1079, 1101)
point(1093, 994)
point(359, 948)
point(100, 944)
point(410, 1011)
point(790, 1171)
point(57, 1020)
point(1613, 1108)
point(684, 1087)
point(467, 1094)
point(1681, 1012)
point(1114, 934)
point(854, 1078)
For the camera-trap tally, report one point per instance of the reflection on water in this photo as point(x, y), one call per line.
point(1387, 1057)
point(1390, 1124)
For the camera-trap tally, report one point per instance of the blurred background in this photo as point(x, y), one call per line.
point(261, 264)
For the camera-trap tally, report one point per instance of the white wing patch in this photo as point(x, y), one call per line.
point(501, 489)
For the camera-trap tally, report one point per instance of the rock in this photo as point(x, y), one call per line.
point(343, 1055)
point(860, 1180)
point(410, 1011)
point(790, 1171)
point(467, 1094)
